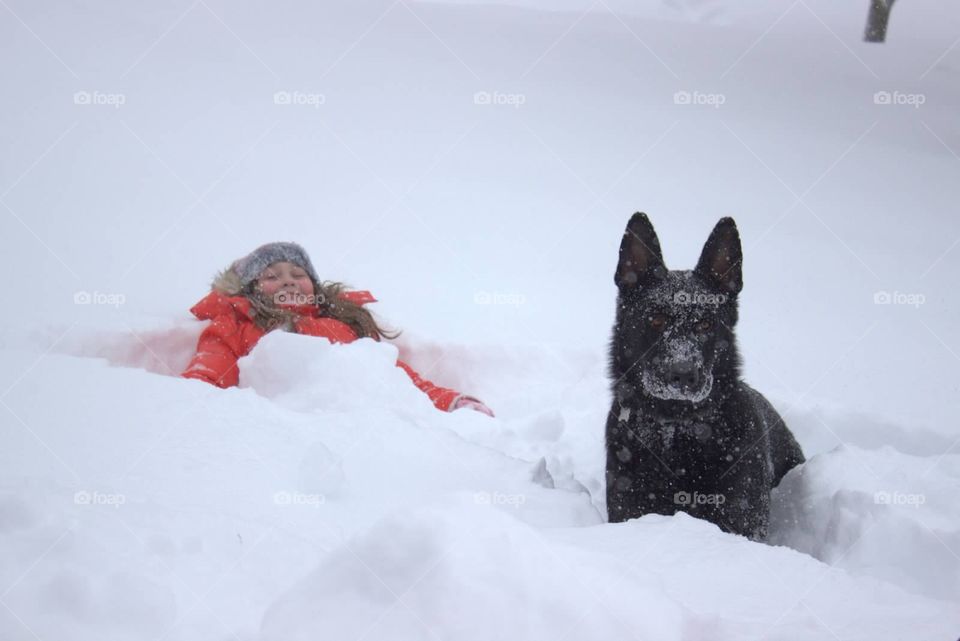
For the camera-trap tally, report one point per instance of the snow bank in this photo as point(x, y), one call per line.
point(200, 505)
point(141, 504)
point(877, 513)
point(136, 505)
point(158, 345)
point(302, 372)
point(467, 572)
point(731, 588)
point(456, 571)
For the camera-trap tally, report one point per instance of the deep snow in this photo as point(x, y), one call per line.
point(326, 497)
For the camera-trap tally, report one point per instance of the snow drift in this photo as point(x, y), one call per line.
point(326, 497)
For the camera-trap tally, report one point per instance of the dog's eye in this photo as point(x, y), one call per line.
point(704, 325)
point(658, 321)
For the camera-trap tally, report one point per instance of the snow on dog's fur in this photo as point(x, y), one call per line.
point(684, 432)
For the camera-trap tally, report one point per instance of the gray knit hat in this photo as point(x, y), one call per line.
point(249, 268)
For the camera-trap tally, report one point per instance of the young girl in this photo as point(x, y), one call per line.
point(275, 286)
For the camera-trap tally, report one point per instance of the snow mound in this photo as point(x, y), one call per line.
point(156, 345)
point(462, 571)
point(877, 513)
point(456, 570)
point(139, 505)
point(304, 373)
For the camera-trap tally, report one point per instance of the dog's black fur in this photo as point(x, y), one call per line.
point(684, 432)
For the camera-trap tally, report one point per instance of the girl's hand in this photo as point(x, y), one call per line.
point(472, 403)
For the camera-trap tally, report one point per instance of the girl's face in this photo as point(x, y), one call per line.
point(286, 284)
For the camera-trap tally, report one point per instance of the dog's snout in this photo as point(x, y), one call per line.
point(684, 374)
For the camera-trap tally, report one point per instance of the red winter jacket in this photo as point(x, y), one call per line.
point(232, 334)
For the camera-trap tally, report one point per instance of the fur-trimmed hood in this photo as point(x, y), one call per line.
point(227, 283)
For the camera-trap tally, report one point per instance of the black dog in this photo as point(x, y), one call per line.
point(685, 433)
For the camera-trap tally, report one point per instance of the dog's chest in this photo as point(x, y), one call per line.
point(695, 437)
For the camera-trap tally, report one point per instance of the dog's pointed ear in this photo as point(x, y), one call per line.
point(721, 262)
point(640, 259)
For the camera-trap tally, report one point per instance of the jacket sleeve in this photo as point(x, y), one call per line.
point(217, 352)
point(442, 397)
